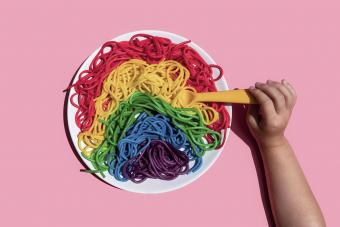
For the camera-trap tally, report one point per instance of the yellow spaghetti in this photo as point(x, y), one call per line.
point(165, 80)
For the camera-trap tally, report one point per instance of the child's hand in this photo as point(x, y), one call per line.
point(269, 119)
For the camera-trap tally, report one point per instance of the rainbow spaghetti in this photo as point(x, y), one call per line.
point(131, 120)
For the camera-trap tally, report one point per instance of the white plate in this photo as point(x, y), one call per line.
point(150, 185)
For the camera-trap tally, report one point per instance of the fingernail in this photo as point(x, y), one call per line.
point(284, 81)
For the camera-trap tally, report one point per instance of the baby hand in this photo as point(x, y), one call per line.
point(268, 120)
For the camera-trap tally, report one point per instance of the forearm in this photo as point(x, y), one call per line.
point(291, 198)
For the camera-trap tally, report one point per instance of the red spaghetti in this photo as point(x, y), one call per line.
point(151, 49)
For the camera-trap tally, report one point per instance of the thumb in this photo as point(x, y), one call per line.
point(253, 117)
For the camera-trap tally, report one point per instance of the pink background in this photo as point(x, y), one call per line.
point(42, 44)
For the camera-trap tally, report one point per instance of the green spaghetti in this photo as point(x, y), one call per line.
point(187, 120)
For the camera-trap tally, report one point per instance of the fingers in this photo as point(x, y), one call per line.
point(274, 94)
point(289, 86)
point(285, 91)
point(291, 90)
point(265, 102)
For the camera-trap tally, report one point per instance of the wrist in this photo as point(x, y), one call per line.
point(272, 143)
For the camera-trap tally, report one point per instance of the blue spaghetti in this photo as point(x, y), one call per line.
point(139, 136)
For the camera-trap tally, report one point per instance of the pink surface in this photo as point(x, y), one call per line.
point(42, 44)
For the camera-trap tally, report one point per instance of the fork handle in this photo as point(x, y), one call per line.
point(230, 96)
